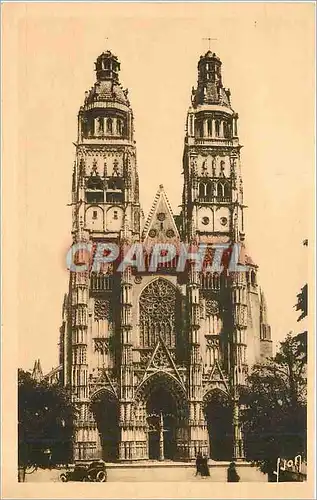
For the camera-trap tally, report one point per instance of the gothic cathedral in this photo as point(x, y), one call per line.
point(154, 360)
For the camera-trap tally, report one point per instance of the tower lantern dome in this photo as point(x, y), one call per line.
point(106, 113)
point(209, 69)
point(210, 89)
point(107, 67)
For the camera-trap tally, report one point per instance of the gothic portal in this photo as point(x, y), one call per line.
point(154, 359)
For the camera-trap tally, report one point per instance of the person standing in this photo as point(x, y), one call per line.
point(205, 469)
point(199, 464)
point(232, 474)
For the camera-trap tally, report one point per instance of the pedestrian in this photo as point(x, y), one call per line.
point(205, 469)
point(199, 462)
point(232, 474)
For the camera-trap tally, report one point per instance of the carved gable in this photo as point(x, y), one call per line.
point(160, 225)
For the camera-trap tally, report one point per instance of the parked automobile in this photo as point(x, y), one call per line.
point(92, 471)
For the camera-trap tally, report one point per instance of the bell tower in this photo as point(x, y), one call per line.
point(106, 208)
point(105, 179)
point(212, 195)
point(223, 336)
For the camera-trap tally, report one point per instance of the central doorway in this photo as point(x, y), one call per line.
point(162, 417)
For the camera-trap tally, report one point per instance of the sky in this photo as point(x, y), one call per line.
point(267, 51)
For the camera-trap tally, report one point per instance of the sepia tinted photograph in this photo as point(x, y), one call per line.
point(158, 242)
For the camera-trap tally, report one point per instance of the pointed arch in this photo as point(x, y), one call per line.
point(202, 189)
point(102, 393)
point(104, 406)
point(253, 277)
point(168, 381)
point(162, 405)
point(209, 189)
point(226, 190)
point(220, 190)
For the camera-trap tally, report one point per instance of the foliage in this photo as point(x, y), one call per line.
point(302, 302)
point(274, 401)
point(45, 423)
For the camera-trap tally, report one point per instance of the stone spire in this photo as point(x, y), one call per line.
point(37, 373)
point(265, 333)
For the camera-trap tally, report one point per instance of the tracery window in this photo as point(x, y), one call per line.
point(158, 303)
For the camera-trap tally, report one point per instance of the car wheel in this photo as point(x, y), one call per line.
point(63, 478)
point(101, 476)
point(86, 479)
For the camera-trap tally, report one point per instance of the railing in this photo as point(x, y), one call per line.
point(218, 199)
point(211, 281)
point(101, 283)
point(106, 104)
point(114, 199)
point(217, 141)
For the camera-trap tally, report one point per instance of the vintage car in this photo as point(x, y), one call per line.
point(92, 471)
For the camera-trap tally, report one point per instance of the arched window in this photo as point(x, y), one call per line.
point(222, 168)
point(109, 125)
point(220, 190)
point(202, 188)
point(217, 128)
point(106, 64)
point(100, 125)
point(229, 129)
point(209, 127)
point(253, 278)
point(215, 281)
point(119, 126)
point(226, 190)
point(209, 190)
point(225, 129)
point(84, 127)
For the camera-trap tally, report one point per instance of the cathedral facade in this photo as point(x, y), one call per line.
point(155, 358)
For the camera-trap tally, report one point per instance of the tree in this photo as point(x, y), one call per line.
point(45, 423)
point(274, 401)
point(302, 302)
